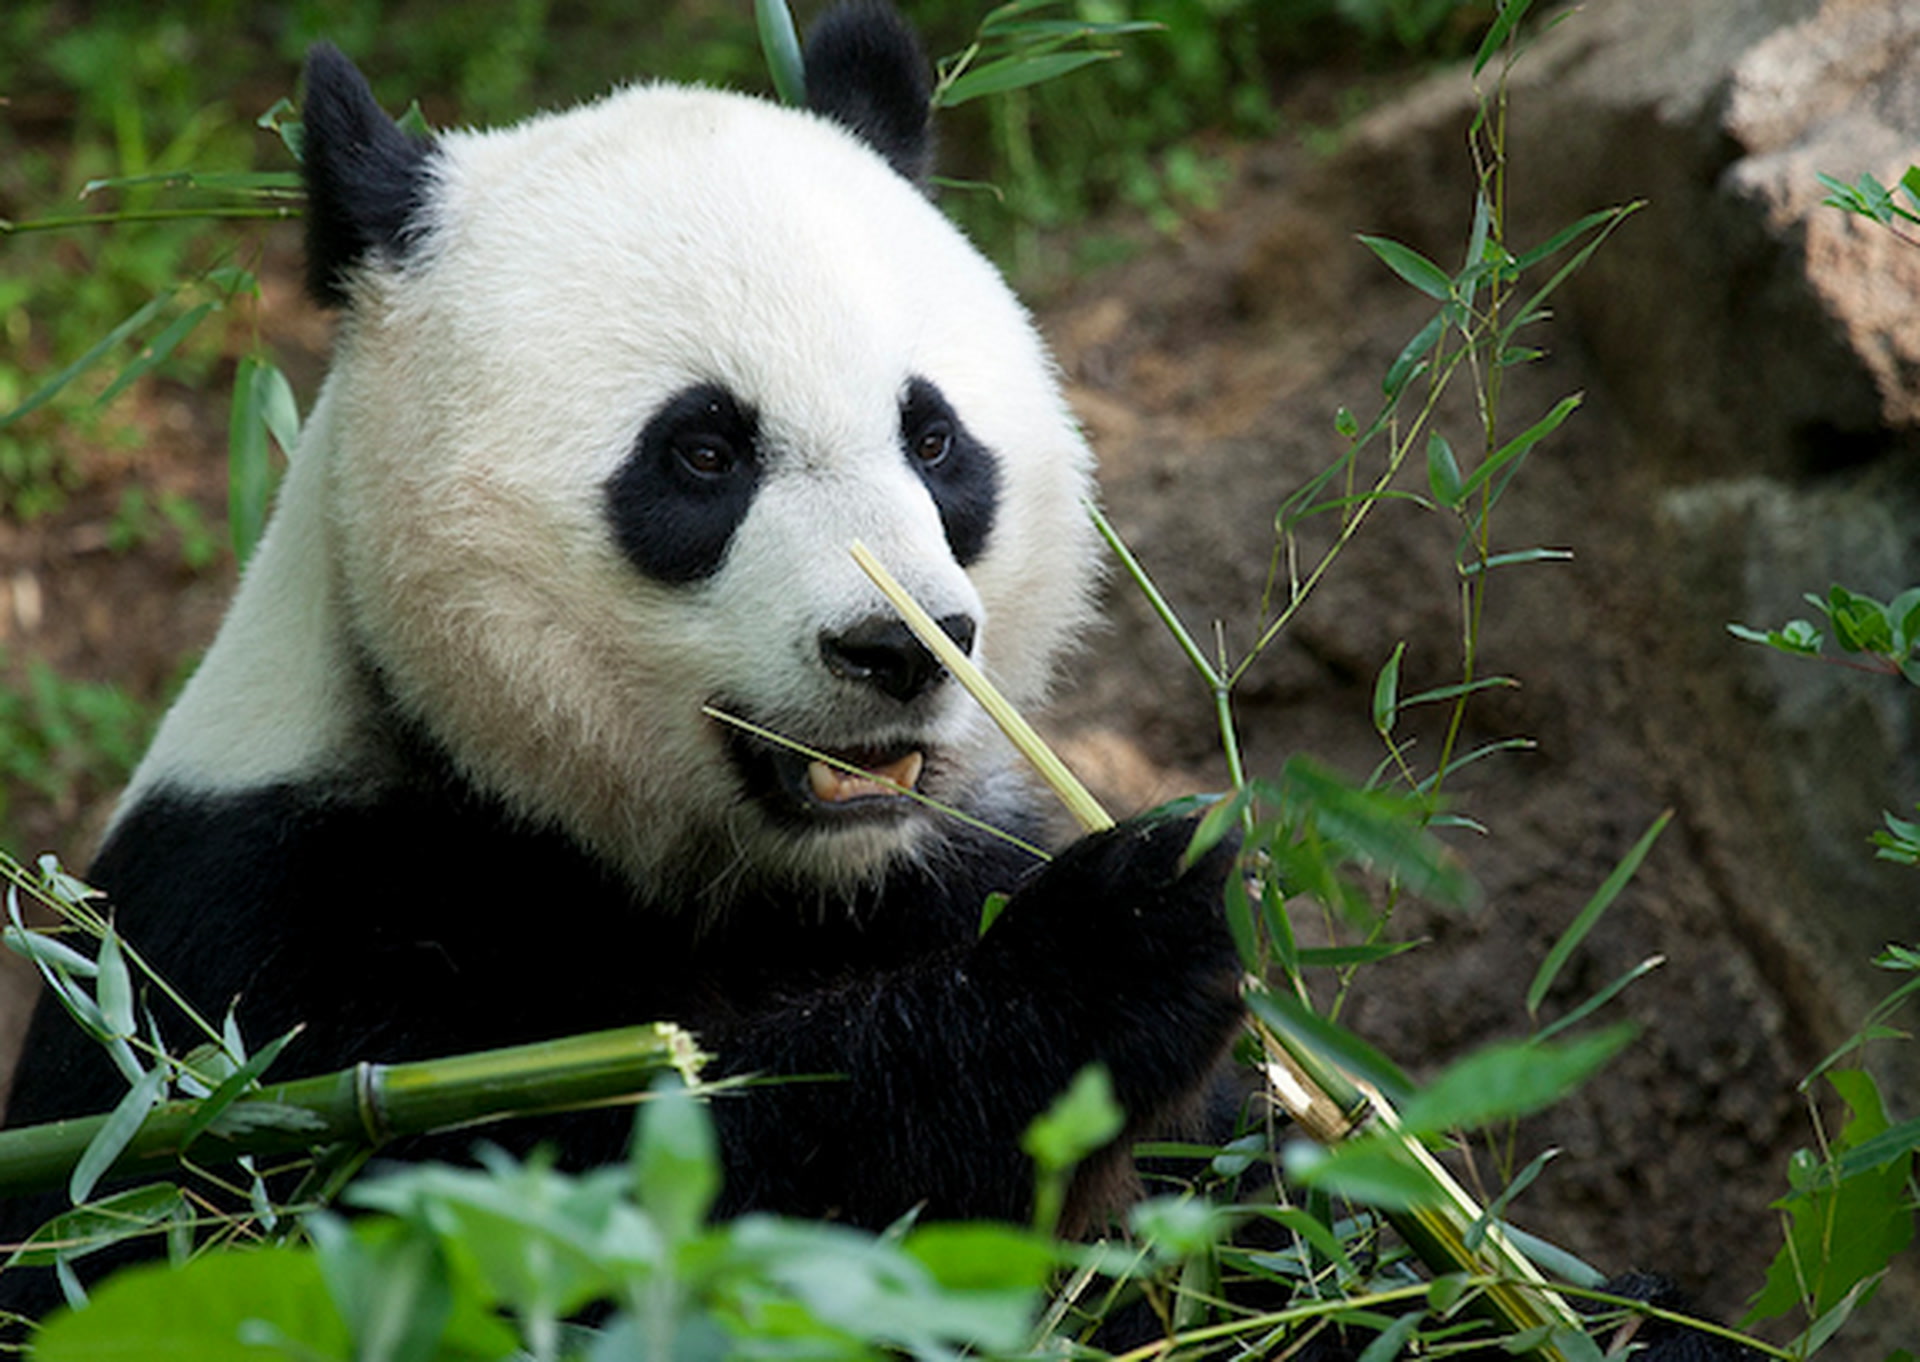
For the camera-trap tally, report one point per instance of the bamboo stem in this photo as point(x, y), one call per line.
point(368, 1104)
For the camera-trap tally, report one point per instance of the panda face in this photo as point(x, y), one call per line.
point(598, 442)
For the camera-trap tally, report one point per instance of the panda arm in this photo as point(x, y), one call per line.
point(919, 1079)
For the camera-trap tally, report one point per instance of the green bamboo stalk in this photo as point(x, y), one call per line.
point(1320, 1098)
point(368, 1104)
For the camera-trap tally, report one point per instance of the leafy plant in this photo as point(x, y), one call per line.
point(456, 1263)
point(1868, 198)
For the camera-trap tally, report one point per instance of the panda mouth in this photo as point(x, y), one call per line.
point(851, 783)
point(872, 778)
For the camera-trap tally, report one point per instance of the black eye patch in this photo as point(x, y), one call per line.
point(676, 501)
point(962, 473)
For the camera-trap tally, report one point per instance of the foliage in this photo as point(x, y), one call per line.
point(456, 1263)
point(1870, 199)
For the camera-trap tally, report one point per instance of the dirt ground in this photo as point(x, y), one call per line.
point(1208, 369)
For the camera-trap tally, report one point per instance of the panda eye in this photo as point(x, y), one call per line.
point(932, 445)
point(706, 456)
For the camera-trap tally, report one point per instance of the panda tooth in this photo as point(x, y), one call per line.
point(906, 771)
point(832, 786)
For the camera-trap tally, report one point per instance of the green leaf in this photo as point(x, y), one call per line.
point(1427, 697)
point(1386, 687)
point(215, 1104)
point(1509, 1080)
point(1412, 358)
point(278, 410)
point(990, 910)
point(1443, 471)
point(780, 45)
point(121, 1125)
point(249, 468)
point(1339, 957)
point(1496, 1209)
point(1842, 1227)
point(1517, 447)
point(1517, 558)
point(1590, 915)
point(1291, 1018)
point(676, 1160)
point(155, 352)
point(1411, 266)
point(390, 1283)
point(981, 1255)
point(1511, 13)
point(1220, 819)
point(1602, 998)
point(1391, 1341)
point(1016, 72)
point(51, 388)
point(49, 952)
point(155, 1313)
point(1305, 1225)
point(1081, 1120)
point(114, 988)
point(136, 1211)
point(1373, 1170)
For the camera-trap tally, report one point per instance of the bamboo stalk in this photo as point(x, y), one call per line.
point(368, 1104)
point(1324, 1101)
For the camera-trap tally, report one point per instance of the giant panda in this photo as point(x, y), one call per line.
point(612, 392)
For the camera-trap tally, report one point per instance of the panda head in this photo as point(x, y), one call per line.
point(615, 389)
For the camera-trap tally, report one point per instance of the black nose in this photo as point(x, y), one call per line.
point(882, 652)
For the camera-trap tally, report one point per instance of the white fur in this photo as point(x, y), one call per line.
point(447, 502)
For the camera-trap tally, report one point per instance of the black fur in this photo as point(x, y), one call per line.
point(865, 70)
point(676, 501)
point(367, 181)
point(964, 477)
point(422, 919)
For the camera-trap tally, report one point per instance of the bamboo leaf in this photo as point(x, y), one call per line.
point(1443, 471)
point(1588, 916)
point(1509, 1080)
point(1497, 1208)
point(46, 951)
point(1603, 997)
point(1017, 72)
point(98, 1223)
point(1511, 13)
point(51, 388)
point(155, 352)
point(115, 987)
point(780, 45)
point(1412, 358)
point(1386, 688)
point(1334, 957)
point(1517, 447)
point(121, 1125)
point(216, 1103)
point(1411, 266)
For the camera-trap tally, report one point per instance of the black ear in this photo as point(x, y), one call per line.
point(366, 180)
point(865, 70)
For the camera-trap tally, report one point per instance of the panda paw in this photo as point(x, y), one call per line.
point(1131, 948)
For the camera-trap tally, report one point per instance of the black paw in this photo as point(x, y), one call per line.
point(1129, 947)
